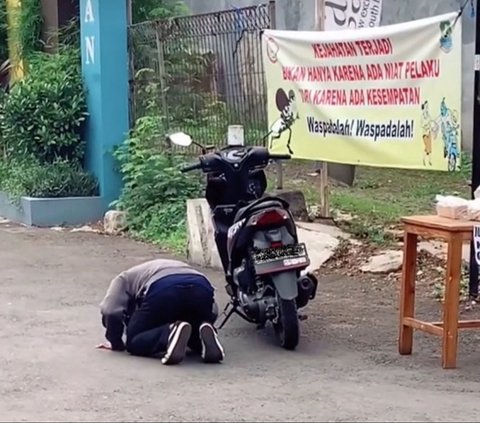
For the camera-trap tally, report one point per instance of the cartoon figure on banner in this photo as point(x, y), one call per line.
point(430, 132)
point(447, 124)
point(453, 129)
point(446, 42)
point(450, 130)
point(288, 115)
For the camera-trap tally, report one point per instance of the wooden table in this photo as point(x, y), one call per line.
point(455, 233)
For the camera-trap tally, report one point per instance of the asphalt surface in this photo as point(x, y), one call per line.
point(50, 287)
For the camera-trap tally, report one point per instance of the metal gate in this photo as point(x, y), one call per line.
point(202, 73)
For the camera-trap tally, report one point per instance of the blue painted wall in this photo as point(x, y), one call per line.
point(105, 72)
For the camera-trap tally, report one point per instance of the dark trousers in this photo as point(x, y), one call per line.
point(188, 298)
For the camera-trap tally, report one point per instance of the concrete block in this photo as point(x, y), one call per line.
point(201, 248)
point(114, 222)
point(296, 199)
point(321, 241)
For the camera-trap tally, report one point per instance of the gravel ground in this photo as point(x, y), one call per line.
point(346, 368)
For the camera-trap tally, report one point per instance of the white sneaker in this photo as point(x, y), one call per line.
point(177, 343)
point(212, 350)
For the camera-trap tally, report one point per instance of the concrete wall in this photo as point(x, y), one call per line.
point(298, 15)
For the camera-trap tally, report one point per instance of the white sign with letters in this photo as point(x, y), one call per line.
point(352, 14)
point(89, 39)
point(476, 243)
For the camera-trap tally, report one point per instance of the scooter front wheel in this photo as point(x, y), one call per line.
point(287, 327)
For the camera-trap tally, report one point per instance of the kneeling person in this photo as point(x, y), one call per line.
point(166, 305)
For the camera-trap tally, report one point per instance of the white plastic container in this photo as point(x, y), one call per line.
point(476, 193)
point(452, 207)
point(236, 135)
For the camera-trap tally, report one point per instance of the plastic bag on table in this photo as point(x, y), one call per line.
point(452, 207)
point(473, 209)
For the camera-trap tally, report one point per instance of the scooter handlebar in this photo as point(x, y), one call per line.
point(191, 167)
point(280, 156)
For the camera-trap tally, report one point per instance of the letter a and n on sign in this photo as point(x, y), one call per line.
point(89, 12)
point(90, 49)
point(89, 40)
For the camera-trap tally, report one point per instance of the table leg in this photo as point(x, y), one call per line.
point(450, 306)
point(407, 292)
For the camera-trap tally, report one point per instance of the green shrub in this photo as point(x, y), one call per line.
point(144, 10)
point(3, 32)
point(4, 169)
point(69, 35)
point(43, 114)
point(155, 192)
point(28, 33)
point(53, 180)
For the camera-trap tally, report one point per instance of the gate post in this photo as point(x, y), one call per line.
point(105, 73)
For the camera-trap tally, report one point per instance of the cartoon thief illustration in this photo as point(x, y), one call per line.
point(445, 117)
point(430, 129)
point(452, 129)
point(449, 127)
point(288, 115)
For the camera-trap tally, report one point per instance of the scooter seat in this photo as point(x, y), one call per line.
point(261, 204)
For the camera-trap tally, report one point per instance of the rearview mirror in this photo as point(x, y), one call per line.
point(180, 138)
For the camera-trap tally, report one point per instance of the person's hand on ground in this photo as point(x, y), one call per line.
point(120, 346)
point(104, 346)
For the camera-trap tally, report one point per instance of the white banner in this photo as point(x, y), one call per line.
point(351, 14)
point(366, 97)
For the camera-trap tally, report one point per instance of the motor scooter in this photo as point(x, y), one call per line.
point(256, 238)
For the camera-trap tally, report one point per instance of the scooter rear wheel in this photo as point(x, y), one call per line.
point(287, 327)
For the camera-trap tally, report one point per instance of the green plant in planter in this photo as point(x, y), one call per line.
point(28, 177)
point(43, 114)
point(155, 192)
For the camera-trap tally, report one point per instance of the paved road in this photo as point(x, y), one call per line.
point(50, 286)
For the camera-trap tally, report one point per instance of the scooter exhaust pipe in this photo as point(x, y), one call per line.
point(307, 288)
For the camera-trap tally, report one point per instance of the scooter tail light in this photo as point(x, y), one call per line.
point(271, 217)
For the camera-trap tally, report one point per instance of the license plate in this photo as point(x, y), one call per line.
point(276, 259)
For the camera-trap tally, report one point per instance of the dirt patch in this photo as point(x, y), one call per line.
point(350, 256)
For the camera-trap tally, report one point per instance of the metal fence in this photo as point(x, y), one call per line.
point(202, 73)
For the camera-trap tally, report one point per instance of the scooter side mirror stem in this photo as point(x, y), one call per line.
point(203, 148)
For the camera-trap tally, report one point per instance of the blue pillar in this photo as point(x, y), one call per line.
point(105, 72)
